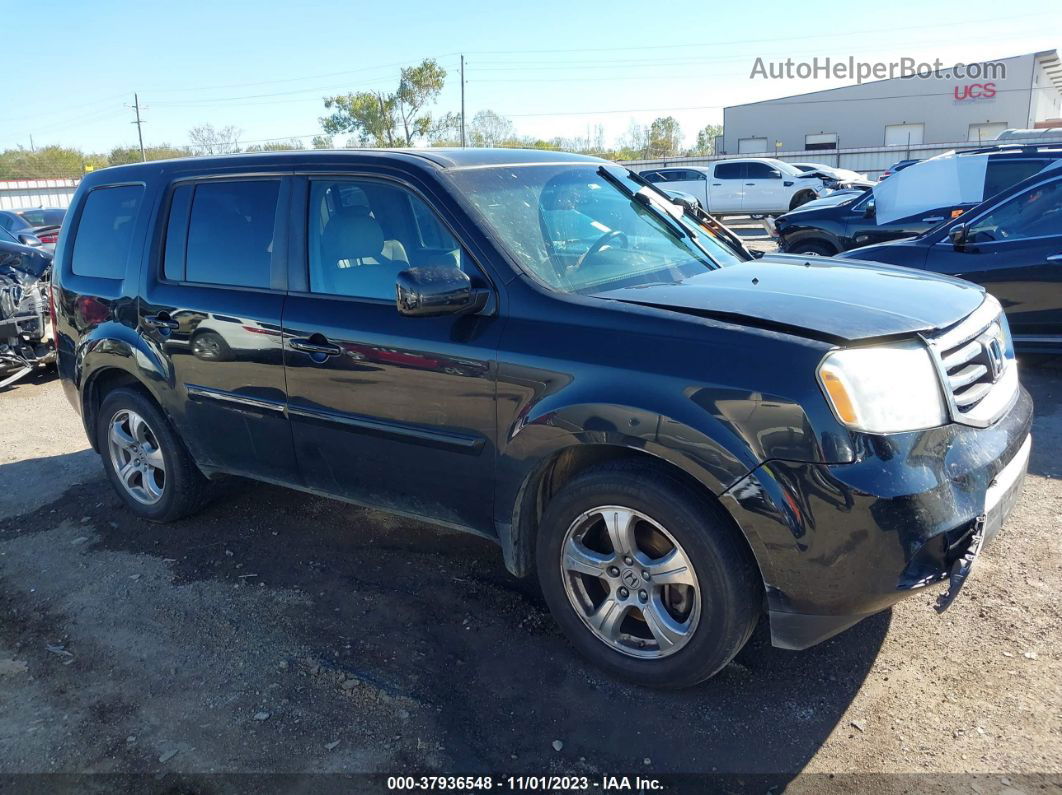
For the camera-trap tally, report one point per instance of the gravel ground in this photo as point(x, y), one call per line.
point(282, 633)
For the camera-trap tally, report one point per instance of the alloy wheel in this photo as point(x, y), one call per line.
point(136, 457)
point(630, 582)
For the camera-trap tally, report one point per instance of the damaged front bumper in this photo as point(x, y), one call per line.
point(838, 543)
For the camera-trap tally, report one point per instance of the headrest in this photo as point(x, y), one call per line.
point(353, 237)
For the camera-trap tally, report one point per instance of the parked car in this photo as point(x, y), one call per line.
point(897, 167)
point(843, 221)
point(759, 185)
point(673, 436)
point(1011, 245)
point(42, 223)
point(25, 328)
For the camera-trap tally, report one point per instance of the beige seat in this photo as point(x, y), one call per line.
point(355, 258)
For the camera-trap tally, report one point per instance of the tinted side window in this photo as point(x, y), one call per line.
point(362, 234)
point(105, 231)
point(230, 233)
point(1035, 213)
point(761, 171)
point(1001, 174)
point(730, 171)
point(648, 176)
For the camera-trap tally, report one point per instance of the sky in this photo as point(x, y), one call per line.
point(553, 68)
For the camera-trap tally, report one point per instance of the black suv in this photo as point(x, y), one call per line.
point(1011, 245)
point(842, 221)
point(544, 350)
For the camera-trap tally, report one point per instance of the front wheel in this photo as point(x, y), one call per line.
point(648, 580)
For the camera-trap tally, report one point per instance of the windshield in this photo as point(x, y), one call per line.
point(585, 227)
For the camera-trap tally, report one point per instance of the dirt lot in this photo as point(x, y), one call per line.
point(282, 633)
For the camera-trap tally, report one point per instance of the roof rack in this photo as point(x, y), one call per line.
point(1004, 147)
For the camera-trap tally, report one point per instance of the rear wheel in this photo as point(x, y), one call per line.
point(647, 579)
point(145, 461)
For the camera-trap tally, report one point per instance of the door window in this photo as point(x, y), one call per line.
point(730, 171)
point(761, 171)
point(1001, 174)
point(221, 232)
point(363, 233)
point(1035, 213)
point(105, 231)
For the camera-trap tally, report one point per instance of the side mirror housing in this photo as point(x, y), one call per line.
point(870, 210)
point(957, 235)
point(29, 239)
point(433, 291)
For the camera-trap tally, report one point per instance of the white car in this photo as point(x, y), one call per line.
point(753, 185)
point(839, 174)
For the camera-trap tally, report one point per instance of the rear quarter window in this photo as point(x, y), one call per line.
point(105, 231)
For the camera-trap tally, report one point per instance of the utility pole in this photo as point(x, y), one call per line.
point(139, 130)
point(32, 147)
point(462, 101)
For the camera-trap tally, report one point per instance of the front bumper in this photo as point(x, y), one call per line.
point(837, 543)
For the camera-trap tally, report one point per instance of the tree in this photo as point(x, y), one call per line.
point(208, 141)
point(445, 130)
point(49, 162)
point(277, 146)
point(322, 142)
point(121, 155)
point(490, 129)
point(706, 139)
point(383, 119)
point(665, 137)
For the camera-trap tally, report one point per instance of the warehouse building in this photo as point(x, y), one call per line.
point(970, 103)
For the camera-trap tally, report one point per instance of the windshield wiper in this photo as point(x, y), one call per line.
point(674, 227)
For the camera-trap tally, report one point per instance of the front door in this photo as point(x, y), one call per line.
point(1015, 251)
point(212, 307)
point(389, 411)
point(764, 189)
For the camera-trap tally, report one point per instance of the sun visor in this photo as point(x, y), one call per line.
point(936, 183)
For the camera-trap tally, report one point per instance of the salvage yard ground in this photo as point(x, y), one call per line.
point(283, 632)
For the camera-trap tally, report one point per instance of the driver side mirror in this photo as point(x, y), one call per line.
point(434, 291)
point(870, 210)
point(958, 236)
point(29, 239)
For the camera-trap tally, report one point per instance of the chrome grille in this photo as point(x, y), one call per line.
point(977, 366)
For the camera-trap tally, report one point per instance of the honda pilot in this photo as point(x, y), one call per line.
point(544, 350)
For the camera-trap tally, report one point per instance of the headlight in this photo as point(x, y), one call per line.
point(884, 388)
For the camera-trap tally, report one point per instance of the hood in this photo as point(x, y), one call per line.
point(816, 297)
point(829, 200)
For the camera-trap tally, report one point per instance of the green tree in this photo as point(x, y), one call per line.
point(389, 119)
point(121, 155)
point(665, 137)
point(292, 144)
point(322, 142)
point(49, 162)
point(706, 139)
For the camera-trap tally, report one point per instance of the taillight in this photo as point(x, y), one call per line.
point(52, 237)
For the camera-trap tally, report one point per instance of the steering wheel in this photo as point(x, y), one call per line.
point(600, 245)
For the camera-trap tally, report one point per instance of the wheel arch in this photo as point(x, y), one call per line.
point(519, 537)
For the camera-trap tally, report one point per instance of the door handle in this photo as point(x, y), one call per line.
point(751, 184)
point(933, 219)
point(1055, 258)
point(161, 321)
point(324, 348)
point(717, 184)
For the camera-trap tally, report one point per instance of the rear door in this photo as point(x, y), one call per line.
point(1015, 251)
point(390, 411)
point(726, 188)
point(764, 189)
point(213, 307)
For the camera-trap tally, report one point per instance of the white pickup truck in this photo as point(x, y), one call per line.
point(755, 185)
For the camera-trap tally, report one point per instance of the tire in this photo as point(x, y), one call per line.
point(801, 198)
point(812, 248)
point(719, 611)
point(180, 490)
